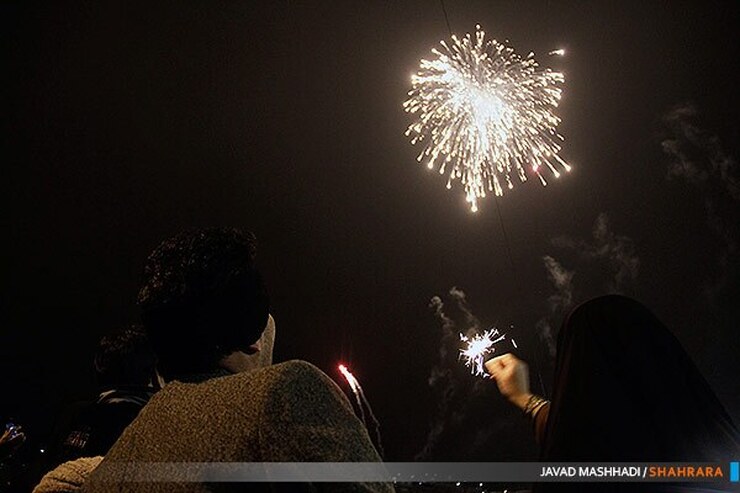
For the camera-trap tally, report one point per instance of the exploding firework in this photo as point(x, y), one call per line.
point(479, 347)
point(361, 399)
point(485, 113)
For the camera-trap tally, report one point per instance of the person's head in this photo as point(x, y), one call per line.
point(203, 300)
point(124, 358)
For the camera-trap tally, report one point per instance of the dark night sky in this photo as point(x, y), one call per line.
point(126, 122)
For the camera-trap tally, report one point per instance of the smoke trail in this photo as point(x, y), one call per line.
point(612, 261)
point(559, 302)
point(698, 155)
point(448, 379)
point(699, 158)
point(617, 251)
point(440, 378)
point(562, 280)
point(471, 321)
point(439, 371)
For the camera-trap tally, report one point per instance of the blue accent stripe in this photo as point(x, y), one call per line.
point(734, 472)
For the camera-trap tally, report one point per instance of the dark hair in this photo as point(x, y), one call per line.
point(202, 299)
point(124, 358)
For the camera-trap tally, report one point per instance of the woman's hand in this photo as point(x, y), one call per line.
point(512, 378)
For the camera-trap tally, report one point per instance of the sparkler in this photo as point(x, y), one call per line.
point(479, 347)
point(484, 113)
point(361, 399)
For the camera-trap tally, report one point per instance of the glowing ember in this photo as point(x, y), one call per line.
point(353, 383)
point(479, 347)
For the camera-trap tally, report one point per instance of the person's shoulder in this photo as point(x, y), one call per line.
point(294, 384)
point(297, 377)
point(298, 367)
point(290, 374)
point(294, 371)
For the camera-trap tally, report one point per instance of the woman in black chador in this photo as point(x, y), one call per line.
point(625, 391)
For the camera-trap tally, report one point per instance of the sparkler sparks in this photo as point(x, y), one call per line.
point(484, 113)
point(478, 348)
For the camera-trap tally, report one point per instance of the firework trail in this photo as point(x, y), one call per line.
point(485, 113)
point(354, 385)
point(361, 399)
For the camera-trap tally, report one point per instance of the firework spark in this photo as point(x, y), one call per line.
point(355, 386)
point(485, 113)
point(560, 52)
point(478, 348)
point(351, 380)
point(361, 399)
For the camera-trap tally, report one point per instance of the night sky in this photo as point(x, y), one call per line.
point(124, 123)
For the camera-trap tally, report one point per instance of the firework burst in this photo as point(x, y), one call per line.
point(484, 113)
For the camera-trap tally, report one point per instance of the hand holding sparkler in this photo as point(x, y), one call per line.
point(512, 378)
point(479, 347)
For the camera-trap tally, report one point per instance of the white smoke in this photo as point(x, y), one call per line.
point(610, 260)
point(698, 157)
point(450, 383)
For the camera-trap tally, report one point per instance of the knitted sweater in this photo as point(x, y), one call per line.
point(67, 477)
point(291, 412)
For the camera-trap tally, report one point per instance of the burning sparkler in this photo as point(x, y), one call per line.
point(479, 347)
point(361, 399)
point(484, 113)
